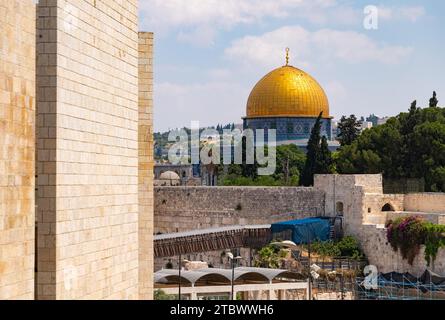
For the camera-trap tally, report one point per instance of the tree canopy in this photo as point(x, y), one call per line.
point(290, 161)
point(410, 145)
point(349, 129)
point(318, 159)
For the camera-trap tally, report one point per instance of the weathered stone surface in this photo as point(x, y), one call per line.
point(363, 201)
point(425, 202)
point(88, 148)
point(188, 208)
point(358, 198)
point(146, 162)
point(17, 148)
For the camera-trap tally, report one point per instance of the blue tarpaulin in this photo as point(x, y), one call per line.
point(304, 230)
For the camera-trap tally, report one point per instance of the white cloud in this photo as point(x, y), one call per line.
point(190, 17)
point(199, 21)
point(201, 36)
point(409, 13)
point(412, 13)
point(348, 46)
point(209, 103)
point(227, 13)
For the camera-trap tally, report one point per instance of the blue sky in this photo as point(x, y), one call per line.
point(210, 53)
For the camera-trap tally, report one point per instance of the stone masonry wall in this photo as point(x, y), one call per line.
point(146, 163)
point(425, 202)
point(17, 148)
point(380, 253)
point(87, 149)
point(180, 209)
point(363, 199)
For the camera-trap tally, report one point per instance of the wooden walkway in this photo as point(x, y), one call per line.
point(174, 244)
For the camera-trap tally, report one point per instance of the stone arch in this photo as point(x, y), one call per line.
point(388, 207)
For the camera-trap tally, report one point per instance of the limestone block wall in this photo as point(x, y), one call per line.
point(345, 195)
point(179, 209)
point(146, 164)
point(381, 254)
point(374, 203)
point(17, 148)
point(359, 198)
point(345, 189)
point(88, 149)
point(425, 202)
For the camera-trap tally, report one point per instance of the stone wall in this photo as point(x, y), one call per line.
point(146, 163)
point(17, 148)
point(180, 209)
point(87, 154)
point(380, 253)
point(188, 208)
point(361, 198)
point(425, 202)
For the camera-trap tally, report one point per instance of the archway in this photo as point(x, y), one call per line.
point(387, 207)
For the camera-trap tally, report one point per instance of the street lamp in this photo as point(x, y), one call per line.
point(233, 259)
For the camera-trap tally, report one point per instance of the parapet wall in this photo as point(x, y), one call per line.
point(425, 202)
point(187, 208)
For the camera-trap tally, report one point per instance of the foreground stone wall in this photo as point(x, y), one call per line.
point(17, 148)
point(146, 164)
point(87, 149)
point(188, 208)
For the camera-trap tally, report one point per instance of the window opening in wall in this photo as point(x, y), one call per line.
point(387, 207)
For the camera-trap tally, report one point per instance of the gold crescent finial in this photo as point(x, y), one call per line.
point(287, 56)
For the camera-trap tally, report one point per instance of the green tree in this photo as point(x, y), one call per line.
point(410, 145)
point(313, 154)
point(290, 162)
point(269, 257)
point(433, 101)
point(349, 130)
point(324, 162)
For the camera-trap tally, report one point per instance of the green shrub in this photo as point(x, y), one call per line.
point(346, 247)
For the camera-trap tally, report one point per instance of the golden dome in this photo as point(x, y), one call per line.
point(287, 92)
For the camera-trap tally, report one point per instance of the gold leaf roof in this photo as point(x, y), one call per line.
point(287, 92)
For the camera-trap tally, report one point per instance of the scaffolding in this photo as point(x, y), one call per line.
point(405, 288)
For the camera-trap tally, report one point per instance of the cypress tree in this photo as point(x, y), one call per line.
point(433, 101)
point(324, 164)
point(313, 152)
point(349, 130)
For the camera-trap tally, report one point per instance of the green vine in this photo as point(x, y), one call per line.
point(410, 233)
